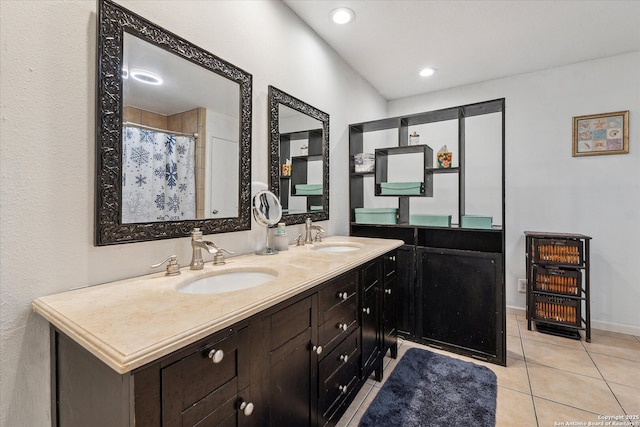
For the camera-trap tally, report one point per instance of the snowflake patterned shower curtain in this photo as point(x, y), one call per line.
point(158, 176)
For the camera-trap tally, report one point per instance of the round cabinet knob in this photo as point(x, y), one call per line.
point(343, 295)
point(216, 356)
point(317, 349)
point(246, 408)
point(343, 326)
point(387, 291)
point(344, 357)
point(366, 310)
point(343, 389)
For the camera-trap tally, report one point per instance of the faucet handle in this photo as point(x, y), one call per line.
point(173, 268)
point(299, 240)
point(218, 257)
point(318, 237)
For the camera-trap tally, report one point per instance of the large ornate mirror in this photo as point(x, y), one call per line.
point(298, 157)
point(173, 134)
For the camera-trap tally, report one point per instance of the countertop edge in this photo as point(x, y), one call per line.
point(123, 364)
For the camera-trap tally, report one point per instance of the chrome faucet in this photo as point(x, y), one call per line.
point(197, 244)
point(308, 227)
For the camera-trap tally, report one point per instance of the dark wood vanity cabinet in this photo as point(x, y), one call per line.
point(314, 352)
point(207, 383)
point(371, 319)
point(390, 305)
point(299, 363)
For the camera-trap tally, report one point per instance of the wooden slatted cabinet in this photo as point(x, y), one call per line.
point(558, 296)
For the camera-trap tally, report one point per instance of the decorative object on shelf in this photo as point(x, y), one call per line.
point(376, 215)
point(606, 133)
point(286, 168)
point(430, 220)
point(401, 188)
point(304, 150)
point(476, 221)
point(558, 295)
point(364, 162)
point(414, 138)
point(444, 157)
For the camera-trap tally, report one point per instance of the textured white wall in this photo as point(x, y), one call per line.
point(47, 152)
point(549, 190)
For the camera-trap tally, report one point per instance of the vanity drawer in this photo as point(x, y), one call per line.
point(339, 326)
point(337, 382)
point(346, 351)
point(196, 386)
point(335, 295)
point(390, 266)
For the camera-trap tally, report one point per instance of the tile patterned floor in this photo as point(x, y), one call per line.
point(548, 380)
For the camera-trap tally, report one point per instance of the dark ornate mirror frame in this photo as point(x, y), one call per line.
point(113, 21)
point(277, 97)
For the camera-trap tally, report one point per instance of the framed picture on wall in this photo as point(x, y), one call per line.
point(596, 134)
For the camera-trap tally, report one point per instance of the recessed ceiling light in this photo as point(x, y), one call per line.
point(342, 15)
point(145, 76)
point(426, 72)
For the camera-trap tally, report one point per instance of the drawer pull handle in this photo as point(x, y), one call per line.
point(343, 296)
point(216, 356)
point(344, 357)
point(387, 291)
point(246, 408)
point(317, 349)
point(343, 326)
point(366, 310)
point(343, 389)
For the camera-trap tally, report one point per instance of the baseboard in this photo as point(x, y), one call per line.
point(595, 324)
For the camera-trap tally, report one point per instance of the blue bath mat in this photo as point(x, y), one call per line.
point(431, 390)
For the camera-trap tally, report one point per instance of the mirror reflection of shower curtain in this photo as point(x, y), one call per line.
point(158, 176)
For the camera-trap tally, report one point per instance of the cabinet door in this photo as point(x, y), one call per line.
point(292, 386)
point(461, 300)
point(405, 288)
point(370, 317)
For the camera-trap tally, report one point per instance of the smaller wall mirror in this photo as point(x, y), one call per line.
point(298, 157)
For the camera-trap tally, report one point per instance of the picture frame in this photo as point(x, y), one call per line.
point(597, 134)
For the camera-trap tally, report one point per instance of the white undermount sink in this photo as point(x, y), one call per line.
point(227, 282)
point(337, 247)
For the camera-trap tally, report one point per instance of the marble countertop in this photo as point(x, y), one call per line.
point(131, 322)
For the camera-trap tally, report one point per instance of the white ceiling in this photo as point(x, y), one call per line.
point(469, 41)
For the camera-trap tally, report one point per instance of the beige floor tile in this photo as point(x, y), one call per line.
point(513, 376)
point(552, 414)
point(512, 326)
point(555, 356)
point(551, 339)
point(612, 345)
point(514, 348)
point(514, 409)
point(579, 391)
point(617, 370)
point(629, 398)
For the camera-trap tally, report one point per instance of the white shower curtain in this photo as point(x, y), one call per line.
point(158, 176)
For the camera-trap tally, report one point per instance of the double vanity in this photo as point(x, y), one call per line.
point(189, 349)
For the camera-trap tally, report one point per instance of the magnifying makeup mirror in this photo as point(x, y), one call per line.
point(267, 211)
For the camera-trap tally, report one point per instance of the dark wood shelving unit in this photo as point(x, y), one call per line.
point(450, 280)
point(558, 283)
